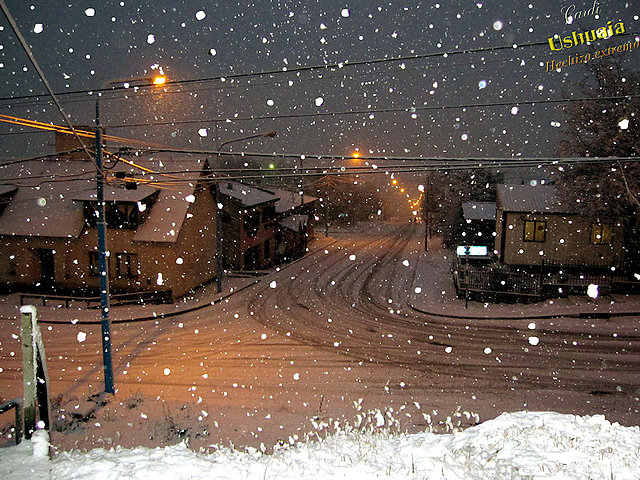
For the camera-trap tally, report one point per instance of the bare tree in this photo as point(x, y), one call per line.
point(608, 127)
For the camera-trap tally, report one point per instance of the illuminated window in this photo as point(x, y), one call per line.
point(534, 231)
point(601, 234)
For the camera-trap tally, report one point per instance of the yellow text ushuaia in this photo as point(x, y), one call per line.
point(557, 43)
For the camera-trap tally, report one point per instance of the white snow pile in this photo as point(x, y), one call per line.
point(521, 445)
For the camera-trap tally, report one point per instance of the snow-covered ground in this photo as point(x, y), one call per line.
point(514, 446)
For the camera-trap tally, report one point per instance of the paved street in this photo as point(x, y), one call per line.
point(342, 332)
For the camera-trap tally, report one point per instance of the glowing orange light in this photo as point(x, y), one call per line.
point(394, 181)
point(160, 80)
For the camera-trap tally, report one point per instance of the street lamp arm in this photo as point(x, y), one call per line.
point(272, 133)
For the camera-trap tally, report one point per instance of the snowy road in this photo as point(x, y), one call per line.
point(328, 337)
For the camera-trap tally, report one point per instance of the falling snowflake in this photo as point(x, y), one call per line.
point(319, 101)
point(90, 12)
point(273, 284)
point(167, 371)
point(82, 336)
point(497, 25)
point(345, 12)
point(534, 341)
point(38, 28)
point(151, 38)
point(200, 15)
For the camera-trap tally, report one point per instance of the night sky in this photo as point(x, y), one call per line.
point(82, 45)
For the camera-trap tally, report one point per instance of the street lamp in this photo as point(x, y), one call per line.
point(216, 189)
point(102, 238)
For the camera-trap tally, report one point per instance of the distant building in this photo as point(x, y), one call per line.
point(262, 226)
point(248, 226)
point(160, 238)
point(479, 223)
point(533, 226)
point(295, 224)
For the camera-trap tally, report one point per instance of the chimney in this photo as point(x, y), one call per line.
point(67, 142)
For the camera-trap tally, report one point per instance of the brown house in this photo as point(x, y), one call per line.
point(248, 226)
point(534, 227)
point(159, 238)
point(295, 215)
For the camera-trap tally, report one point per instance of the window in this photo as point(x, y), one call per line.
point(268, 213)
point(601, 234)
point(118, 215)
point(94, 264)
point(267, 250)
point(534, 231)
point(127, 265)
point(251, 222)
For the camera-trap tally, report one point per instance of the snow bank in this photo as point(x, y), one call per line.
point(514, 446)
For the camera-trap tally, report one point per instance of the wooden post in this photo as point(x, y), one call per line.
point(34, 371)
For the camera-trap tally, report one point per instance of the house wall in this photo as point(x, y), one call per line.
point(20, 261)
point(567, 239)
point(195, 245)
point(236, 241)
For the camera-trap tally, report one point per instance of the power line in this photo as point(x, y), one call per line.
point(411, 109)
point(310, 68)
point(35, 64)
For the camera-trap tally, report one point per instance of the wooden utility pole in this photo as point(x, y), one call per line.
point(35, 373)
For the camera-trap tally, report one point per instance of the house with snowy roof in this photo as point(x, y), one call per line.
point(248, 219)
point(160, 235)
point(535, 227)
point(262, 226)
point(295, 216)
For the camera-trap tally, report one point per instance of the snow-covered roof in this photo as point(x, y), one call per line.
point(44, 197)
point(479, 210)
point(246, 195)
point(53, 189)
point(113, 194)
point(294, 222)
point(527, 198)
point(288, 200)
point(167, 215)
point(6, 189)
